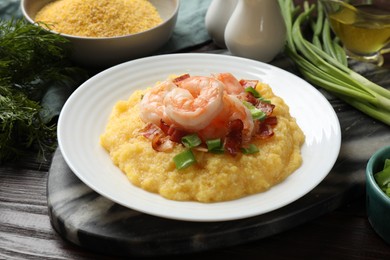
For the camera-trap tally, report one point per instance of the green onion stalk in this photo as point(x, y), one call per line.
point(322, 61)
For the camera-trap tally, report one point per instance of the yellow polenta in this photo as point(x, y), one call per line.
point(99, 18)
point(216, 177)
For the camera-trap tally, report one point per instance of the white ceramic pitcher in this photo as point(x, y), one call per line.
point(217, 16)
point(256, 30)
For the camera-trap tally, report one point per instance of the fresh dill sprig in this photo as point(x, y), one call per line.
point(29, 55)
point(32, 61)
point(21, 126)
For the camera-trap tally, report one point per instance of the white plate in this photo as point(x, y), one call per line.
point(85, 114)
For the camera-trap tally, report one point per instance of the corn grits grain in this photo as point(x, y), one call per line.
point(99, 18)
point(215, 177)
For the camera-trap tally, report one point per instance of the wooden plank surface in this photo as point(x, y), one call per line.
point(26, 233)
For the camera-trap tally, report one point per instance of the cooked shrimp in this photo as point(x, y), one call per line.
point(232, 85)
point(195, 103)
point(152, 106)
point(232, 109)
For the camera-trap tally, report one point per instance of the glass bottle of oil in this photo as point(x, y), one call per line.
point(363, 28)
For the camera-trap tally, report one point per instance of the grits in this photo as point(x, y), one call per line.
point(215, 177)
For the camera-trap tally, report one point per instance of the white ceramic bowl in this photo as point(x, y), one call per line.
point(103, 52)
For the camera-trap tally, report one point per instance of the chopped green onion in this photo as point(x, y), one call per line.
point(250, 149)
point(184, 159)
point(388, 192)
point(383, 178)
point(191, 141)
point(256, 94)
point(255, 112)
point(387, 164)
point(215, 146)
point(253, 91)
point(264, 100)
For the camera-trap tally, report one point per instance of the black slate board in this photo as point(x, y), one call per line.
point(85, 218)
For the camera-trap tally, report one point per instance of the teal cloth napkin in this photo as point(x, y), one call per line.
point(190, 28)
point(10, 9)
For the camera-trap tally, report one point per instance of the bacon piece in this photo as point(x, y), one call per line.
point(175, 134)
point(150, 130)
point(161, 143)
point(267, 108)
point(265, 131)
point(271, 120)
point(164, 126)
point(233, 139)
point(180, 78)
point(249, 97)
point(249, 83)
point(265, 128)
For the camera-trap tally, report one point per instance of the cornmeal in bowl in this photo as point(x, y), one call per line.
point(259, 141)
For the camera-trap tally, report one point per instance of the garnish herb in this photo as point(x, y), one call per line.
point(191, 141)
point(383, 178)
point(187, 158)
point(256, 94)
point(322, 61)
point(215, 146)
point(184, 159)
point(253, 91)
point(21, 125)
point(250, 149)
point(257, 114)
point(36, 77)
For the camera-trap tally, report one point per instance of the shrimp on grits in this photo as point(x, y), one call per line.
point(204, 138)
point(206, 106)
point(194, 102)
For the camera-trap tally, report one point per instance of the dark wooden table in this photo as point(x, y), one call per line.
point(26, 231)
